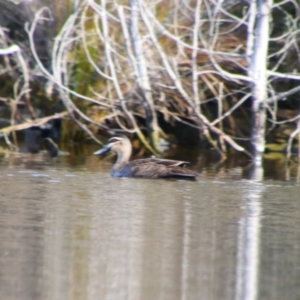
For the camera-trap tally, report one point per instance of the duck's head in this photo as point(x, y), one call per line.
point(118, 144)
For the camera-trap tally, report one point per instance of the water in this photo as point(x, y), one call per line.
point(70, 231)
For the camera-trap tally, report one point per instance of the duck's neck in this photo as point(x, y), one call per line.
point(123, 158)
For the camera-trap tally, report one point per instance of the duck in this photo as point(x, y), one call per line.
point(143, 168)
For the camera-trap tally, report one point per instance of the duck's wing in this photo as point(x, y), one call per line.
point(179, 172)
point(157, 168)
point(161, 161)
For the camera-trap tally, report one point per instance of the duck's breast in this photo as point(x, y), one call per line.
point(123, 172)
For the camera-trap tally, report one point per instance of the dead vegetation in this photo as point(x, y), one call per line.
point(134, 66)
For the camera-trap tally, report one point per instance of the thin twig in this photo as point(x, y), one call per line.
point(32, 123)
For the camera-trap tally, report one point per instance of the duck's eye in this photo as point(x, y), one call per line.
point(113, 140)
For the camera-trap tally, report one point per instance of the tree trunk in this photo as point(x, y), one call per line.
point(257, 71)
point(142, 75)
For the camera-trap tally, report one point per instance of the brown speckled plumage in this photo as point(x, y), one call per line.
point(143, 168)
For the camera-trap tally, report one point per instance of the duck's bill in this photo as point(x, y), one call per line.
point(102, 151)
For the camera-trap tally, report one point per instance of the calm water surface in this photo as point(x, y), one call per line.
point(70, 231)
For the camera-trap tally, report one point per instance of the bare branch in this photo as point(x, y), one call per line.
point(285, 76)
point(283, 95)
point(32, 123)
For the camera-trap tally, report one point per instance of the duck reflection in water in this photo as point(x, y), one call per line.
point(143, 168)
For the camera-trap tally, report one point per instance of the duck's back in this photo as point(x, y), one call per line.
point(154, 168)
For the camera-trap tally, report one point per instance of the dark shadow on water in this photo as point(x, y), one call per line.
point(206, 162)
